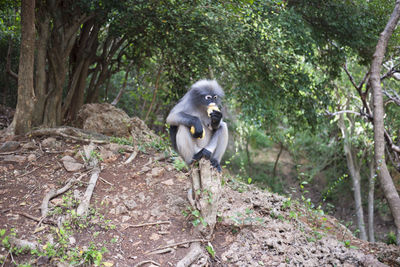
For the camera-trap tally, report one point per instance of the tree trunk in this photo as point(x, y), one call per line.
point(154, 93)
point(43, 22)
point(277, 160)
point(385, 178)
point(122, 90)
point(82, 56)
point(354, 170)
point(371, 188)
point(22, 121)
point(104, 68)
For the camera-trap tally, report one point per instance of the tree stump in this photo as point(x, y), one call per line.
point(206, 193)
point(204, 196)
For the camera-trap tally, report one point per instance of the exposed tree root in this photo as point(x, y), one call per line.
point(178, 244)
point(45, 221)
point(22, 244)
point(162, 251)
point(52, 194)
point(196, 252)
point(131, 157)
point(146, 224)
point(72, 133)
point(145, 262)
point(84, 205)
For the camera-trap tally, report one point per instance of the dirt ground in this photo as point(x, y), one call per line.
point(138, 209)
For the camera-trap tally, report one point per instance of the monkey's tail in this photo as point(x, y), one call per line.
point(172, 134)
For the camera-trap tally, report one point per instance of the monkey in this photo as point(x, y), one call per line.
point(196, 126)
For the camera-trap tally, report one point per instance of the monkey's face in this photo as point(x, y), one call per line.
point(205, 97)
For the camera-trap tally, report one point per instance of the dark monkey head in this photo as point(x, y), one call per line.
point(205, 92)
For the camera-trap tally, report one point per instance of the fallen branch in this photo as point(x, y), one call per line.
point(178, 244)
point(131, 157)
point(45, 221)
point(161, 251)
point(52, 194)
point(24, 174)
point(84, 205)
point(145, 262)
point(106, 182)
point(195, 253)
point(72, 133)
point(146, 224)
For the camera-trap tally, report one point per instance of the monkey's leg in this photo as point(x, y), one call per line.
point(186, 144)
point(219, 142)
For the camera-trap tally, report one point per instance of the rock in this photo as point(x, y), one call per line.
point(9, 146)
point(145, 169)
point(168, 182)
point(31, 157)
point(103, 118)
point(13, 159)
point(107, 155)
point(49, 142)
point(158, 171)
point(125, 218)
point(57, 201)
point(29, 146)
point(121, 209)
point(130, 204)
point(154, 236)
point(72, 240)
point(72, 166)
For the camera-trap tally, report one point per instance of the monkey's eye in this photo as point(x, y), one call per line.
point(208, 97)
point(215, 97)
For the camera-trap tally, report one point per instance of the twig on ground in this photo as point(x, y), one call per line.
point(161, 158)
point(71, 132)
point(47, 221)
point(5, 259)
point(105, 181)
point(178, 244)
point(24, 174)
point(145, 262)
point(145, 224)
point(161, 251)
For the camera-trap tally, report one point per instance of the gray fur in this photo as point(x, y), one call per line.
point(215, 140)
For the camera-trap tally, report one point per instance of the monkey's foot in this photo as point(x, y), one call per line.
point(204, 153)
point(216, 165)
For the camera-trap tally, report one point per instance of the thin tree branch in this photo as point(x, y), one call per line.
point(8, 62)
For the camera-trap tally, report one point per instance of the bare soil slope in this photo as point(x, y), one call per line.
point(137, 215)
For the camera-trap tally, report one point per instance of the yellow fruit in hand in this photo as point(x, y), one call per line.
point(211, 108)
point(192, 131)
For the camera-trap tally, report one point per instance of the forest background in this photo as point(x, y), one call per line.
point(302, 78)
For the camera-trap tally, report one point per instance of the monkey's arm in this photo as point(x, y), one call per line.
point(219, 138)
point(216, 117)
point(182, 118)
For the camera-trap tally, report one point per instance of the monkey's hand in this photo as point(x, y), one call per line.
point(204, 153)
point(216, 117)
point(216, 165)
point(197, 129)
